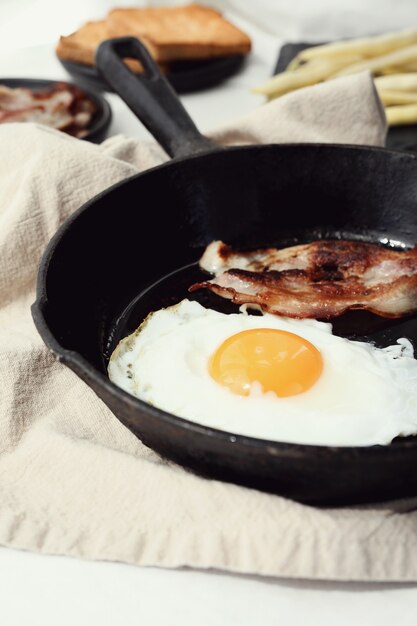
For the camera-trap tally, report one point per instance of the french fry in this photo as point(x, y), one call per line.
point(387, 71)
point(341, 60)
point(397, 82)
point(303, 76)
point(289, 81)
point(367, 46)
point(395, 58)
point(400, 115)
point(410, 68)
point(390, 97)
point(294, 64)
point(403, 68)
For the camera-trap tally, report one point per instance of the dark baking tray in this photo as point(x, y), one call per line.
point(398, 138)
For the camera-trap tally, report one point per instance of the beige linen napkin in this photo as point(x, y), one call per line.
point(73, 480)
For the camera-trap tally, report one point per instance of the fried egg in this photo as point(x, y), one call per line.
point(269, 377)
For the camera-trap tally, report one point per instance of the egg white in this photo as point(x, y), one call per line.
point(365, 395)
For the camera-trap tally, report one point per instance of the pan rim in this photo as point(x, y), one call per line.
point(78, 363)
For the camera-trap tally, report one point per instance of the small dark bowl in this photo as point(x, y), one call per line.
point(99, 125)
point(184, 76)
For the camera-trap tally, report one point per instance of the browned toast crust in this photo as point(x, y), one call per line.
point(81, 45)
point(185, 32)
point(170, 33)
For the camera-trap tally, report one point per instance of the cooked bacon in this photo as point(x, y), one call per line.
point(14, 99)
point(62, 106)
point(320, 280)
point(59, 118)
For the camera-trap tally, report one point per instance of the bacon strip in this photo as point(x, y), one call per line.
point(64, 107)
point(320, 280)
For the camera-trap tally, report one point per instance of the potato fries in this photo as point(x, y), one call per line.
point(392, 59)
point(397, 82)
point(365, 47)
point(302, 76)
point(390, 97)
point(406, 114)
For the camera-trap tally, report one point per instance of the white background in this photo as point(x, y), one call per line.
point(47, 590)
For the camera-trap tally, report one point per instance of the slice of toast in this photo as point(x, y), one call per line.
point(80, 46)
point(185, 32)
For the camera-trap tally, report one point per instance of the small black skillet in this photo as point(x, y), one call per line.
point(184, 76)
point(134, 248)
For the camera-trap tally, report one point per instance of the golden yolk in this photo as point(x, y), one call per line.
point(280, 361)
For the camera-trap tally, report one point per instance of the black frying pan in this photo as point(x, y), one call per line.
point(134, 248)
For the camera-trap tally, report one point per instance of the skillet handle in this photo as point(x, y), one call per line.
point(150, 97)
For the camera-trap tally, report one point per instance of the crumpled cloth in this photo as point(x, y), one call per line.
point(73, 480)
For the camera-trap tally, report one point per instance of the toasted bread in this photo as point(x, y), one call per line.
point(185, 32)
point(80, 46)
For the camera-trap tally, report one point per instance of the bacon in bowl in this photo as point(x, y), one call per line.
point(59, 105)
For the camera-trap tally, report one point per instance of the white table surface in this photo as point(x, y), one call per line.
point(48, 590)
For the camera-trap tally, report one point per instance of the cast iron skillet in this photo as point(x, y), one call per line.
point(134, 247)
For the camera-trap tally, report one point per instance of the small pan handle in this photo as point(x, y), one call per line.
point(150, 97)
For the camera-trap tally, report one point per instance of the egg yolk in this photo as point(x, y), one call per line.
point(278, 360)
